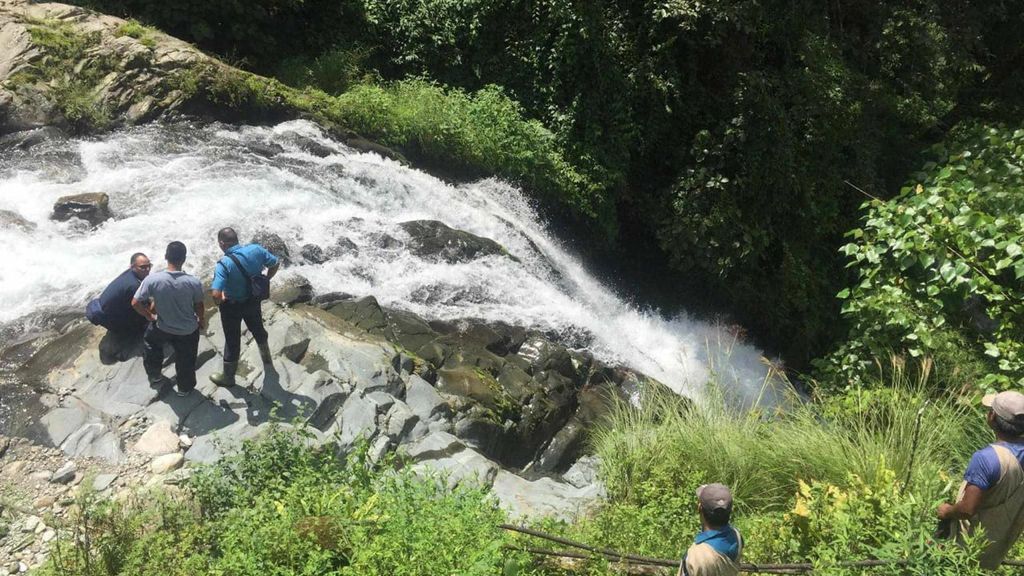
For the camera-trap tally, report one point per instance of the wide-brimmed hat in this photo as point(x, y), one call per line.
point(1007, 405)
point(714, 497)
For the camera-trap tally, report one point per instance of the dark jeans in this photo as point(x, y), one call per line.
point(186, 348)
point(231, 316)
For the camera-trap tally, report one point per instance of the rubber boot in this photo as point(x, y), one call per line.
point(265, 353)
point(227, 377)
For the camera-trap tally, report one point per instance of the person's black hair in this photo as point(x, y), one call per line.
point(136, 257)
point(176, 253)
point(228, 236)
point(718, 517)
point(1007, 428)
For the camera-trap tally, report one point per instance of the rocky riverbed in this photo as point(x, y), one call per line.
point(475, 402)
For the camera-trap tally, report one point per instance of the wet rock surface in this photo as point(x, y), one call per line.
point(436, 240)
point(92, 207)
point(9, 219)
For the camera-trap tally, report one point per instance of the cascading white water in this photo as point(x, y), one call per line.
point(185, 182)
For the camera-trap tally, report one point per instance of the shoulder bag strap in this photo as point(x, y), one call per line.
point(241, 270)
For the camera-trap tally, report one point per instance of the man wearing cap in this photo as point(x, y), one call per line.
point(716, 550)
point(992, 493)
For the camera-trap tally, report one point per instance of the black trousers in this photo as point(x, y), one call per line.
point(186, 348)
point(231, 316)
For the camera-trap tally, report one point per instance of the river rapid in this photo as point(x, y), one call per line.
point(184, 182)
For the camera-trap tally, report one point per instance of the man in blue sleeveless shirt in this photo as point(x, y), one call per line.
point(716, 550)
point(992, 493)
point(232, 290)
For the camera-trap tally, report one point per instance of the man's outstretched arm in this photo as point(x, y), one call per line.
point(966, 508)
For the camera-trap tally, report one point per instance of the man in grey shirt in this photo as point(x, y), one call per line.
point(177, 299)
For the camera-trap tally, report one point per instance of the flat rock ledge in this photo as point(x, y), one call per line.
point(495, 405)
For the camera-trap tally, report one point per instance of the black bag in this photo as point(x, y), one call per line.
point(259, 285)
point(94, 313)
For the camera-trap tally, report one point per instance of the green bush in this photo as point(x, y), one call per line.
point(142, 33)
point(476, 134)
point(763, 456)
point(940, 267)
point(333, 72)
point(822, 482)
point(280, 507)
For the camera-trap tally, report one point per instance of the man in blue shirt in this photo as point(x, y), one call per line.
point(716, 550)
point(232, 290)
point(113, 310)
point(992, 493)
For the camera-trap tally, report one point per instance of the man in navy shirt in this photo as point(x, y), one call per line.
point(232, 290)
point(992, 493)
point(113, 310)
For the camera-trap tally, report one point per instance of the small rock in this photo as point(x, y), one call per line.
point(41, 476)
point(16, 468)
point(64, 474)
point(14, 220)
point(178, 477)
point(184, 441)
point(40, 527)
point(166, 463)
point(103, 481)
point(313, 254)
point(49, 535)
point(378, 449)
point(30, 524)
point(22, 567)
point(43, 502)
point(158, 440)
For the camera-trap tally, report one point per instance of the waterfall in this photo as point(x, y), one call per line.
point(184, 182)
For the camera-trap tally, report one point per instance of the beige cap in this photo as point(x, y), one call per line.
point(714, 497)
point(1007, 405)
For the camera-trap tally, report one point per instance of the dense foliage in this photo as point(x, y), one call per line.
point(940, 268)
point(827, 481)
point(719, 133)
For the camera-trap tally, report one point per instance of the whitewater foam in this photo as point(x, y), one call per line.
point(185, 182)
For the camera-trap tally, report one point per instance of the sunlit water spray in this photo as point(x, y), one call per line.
point(185, 182)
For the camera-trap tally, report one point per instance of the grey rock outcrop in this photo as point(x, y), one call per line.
point(471, 403)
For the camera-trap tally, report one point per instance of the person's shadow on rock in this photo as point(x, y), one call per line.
point(115, 347)
point(273, 402)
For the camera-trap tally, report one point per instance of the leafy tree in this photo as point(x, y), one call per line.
point(940, 267)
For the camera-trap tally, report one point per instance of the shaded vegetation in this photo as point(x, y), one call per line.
point(939, 268)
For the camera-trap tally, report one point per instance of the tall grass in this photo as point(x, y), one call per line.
point(764, 455)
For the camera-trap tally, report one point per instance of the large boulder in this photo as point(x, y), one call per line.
point(93, 207)
point(437, 241)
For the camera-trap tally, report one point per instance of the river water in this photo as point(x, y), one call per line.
point(184, 182)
